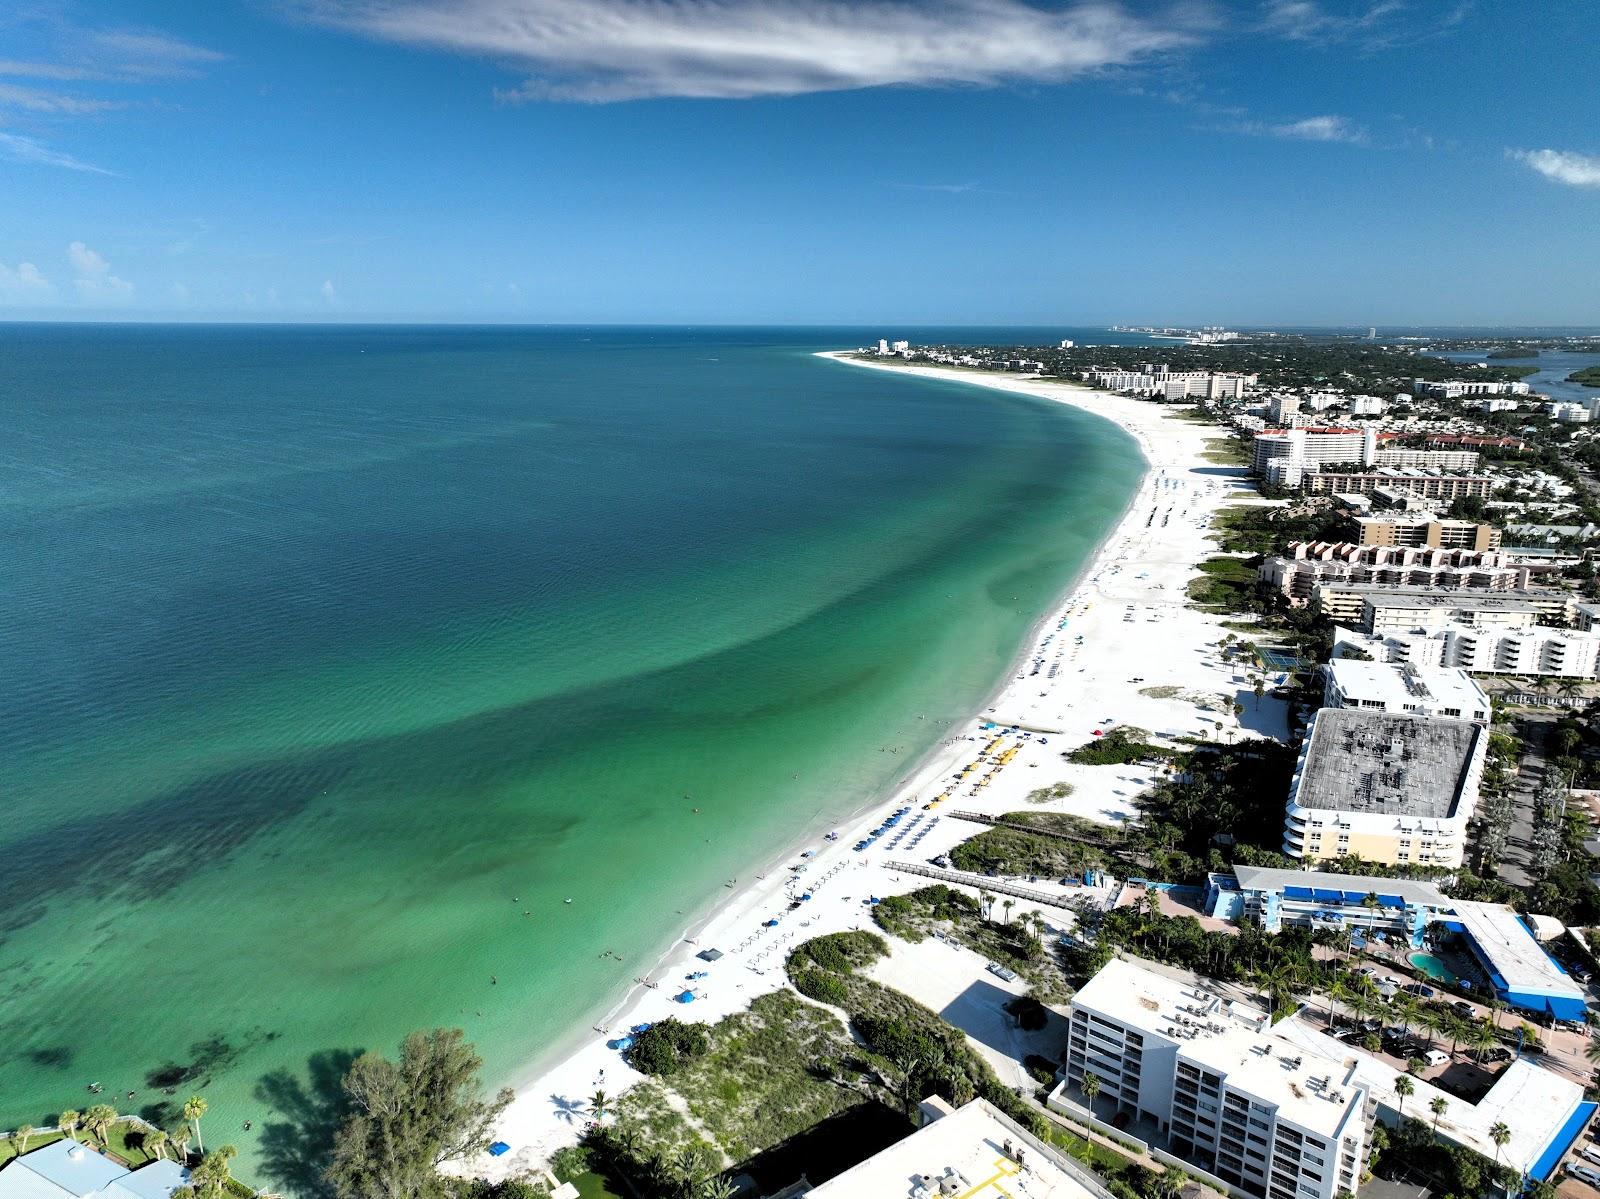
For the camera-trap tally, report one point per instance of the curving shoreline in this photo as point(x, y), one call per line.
point(548, 1110)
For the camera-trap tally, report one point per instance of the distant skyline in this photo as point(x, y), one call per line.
point(1268, 162)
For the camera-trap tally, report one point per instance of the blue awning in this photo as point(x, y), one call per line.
point(1391, 901)
point(1297, 893)
point(1324, 895)
point(1557, 1149)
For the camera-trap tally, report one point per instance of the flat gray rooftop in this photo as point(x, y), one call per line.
point(1269, 878)
point(1375, 762)
point(1483, 601)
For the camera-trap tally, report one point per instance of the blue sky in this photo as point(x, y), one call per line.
point(820, 161)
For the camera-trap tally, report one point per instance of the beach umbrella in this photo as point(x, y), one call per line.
point(685, 997)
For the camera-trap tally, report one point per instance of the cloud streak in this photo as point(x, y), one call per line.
point(1311, 129)
point(1562, 166)
point(34, 152)
point(610, 50)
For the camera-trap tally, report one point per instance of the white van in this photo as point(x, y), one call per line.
point(1436, 1057)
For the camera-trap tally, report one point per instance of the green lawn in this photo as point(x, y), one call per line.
point(592, 1186)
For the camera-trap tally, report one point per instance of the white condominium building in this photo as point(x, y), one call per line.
point(1405, 688)
point(1455, 389)
point(1385, 788)
point(1174, 385)
point(1532, 650)
point(1313, 445)
point(1234, 1097)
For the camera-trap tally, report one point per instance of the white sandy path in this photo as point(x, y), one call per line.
point(1128, 609)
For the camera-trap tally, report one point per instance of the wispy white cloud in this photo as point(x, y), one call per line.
point(1368, 24)
point(93, 278)
point(329, 292)
point(142, 54)
point(1311, 129)
point(24, 284)
point(1562, 166)
point(949, 189)
point(607, 50)
point(34, 99)
point(60, 72)
point(20, 148)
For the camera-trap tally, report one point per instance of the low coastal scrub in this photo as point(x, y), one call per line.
point(1119, 747)
point(666, 1046)
point(1047, 794)
point(1228, 584)
point(912, 1049)
point(780, 1089)
point(1014, 851)
point(1589, 376)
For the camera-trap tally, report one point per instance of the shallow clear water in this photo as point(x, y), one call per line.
point(329, 653)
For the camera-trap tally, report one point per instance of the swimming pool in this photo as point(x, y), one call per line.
point(1432, 967)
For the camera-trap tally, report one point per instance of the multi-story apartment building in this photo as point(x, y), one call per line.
point(1337, 566)
point(1140, 1017)
point(1236, 1099)
point(1455, 389)
point(1429, 532)
point(1380, 609)
point(1404, 687)
point(1533, 650)
point(1152, 378)
point(1312, 446)
point(1385, 788)
point(1431, 484)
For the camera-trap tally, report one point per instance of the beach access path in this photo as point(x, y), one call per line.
point(1123, 628)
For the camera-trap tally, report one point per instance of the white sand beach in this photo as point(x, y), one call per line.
point(1124, 627)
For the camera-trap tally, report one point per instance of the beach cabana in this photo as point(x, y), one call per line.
point(498, 1148)
point(709, 955)
point(684, 997)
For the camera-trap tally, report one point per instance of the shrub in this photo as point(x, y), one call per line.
point(839, 953)
point(666, 1045)
point(821, 986)
point(1042, 1068)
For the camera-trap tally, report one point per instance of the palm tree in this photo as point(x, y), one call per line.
point(98, 1119)
point(1438, 1105)
point(1592, 1049)
point(1499, 1134)
point(1435, 1021)
point(1481, 1038)
point(69, 1122)
point(1091, 1088)
point(985, 902)
point(193, 1108)
point(179, 1139)
point(1406, 1007)
point(1008, 905)
point(210, 1177)
point(1405, 1088)
point(1495, 1005)
point(599, 1103)
point(21, 1137)
point(717, 1187)
point(155, 1143)
point(1168, 1184)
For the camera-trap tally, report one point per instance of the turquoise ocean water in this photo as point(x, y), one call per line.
point(329, 652)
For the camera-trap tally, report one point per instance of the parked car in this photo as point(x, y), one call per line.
point(1589, 1155)
point(1420, 990)
point(1586, 1174)
point(1436, 1057)
point(1368, 972)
